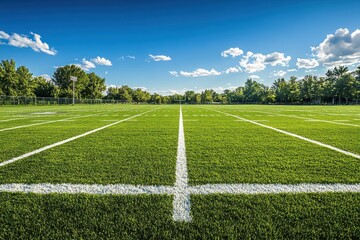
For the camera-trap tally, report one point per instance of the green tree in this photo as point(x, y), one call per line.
point(43, 87)
point(190, 96)
point(8, 78)
point(95, 87)
point(61, 78)
point(25, 85)
point(207, 96)
point(253, 91)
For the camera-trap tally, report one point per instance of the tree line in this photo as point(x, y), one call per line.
point(338, 86)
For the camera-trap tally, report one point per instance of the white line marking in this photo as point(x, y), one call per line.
point(12, 119)
point(294, 135)
point(128, 189)
point(181, 204)
point(36, 124)
point(125, 189)
point(68, 140)
point(273, 188)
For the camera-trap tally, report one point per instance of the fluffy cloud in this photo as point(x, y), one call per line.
point(255, 62)
point(307, 63)
point(200, 72)
point(341, 48)
point(292, 70)
point(233, 70)
point(101, 61)
point(277, 59)
point(24, 41)
point(234, 52)
point(279, 73)
point(158, 58)
point(87, 64)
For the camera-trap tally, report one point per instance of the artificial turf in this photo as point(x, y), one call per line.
point(219, 149)
point(281, 216)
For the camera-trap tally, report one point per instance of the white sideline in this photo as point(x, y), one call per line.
point(36, 124)
point(181, 203)
point(293, 135)
point(68, 140)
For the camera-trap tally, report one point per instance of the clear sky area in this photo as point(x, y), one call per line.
point(175, 46)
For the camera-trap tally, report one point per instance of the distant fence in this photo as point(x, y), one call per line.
point(22, 100)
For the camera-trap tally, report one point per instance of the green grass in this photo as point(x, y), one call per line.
point(219, 149)
point(282, 216)
point(140, 151)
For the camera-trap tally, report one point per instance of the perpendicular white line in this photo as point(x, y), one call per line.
point(181, 204)
point(128, 189)
point(36, 124)
point(294, 135)
point(272, 188)
point(123, 189)
point(67, 140)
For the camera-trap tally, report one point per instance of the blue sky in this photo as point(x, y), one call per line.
point(169, 46)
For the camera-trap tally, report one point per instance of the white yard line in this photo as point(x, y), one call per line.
point(122, 189)
point(68, 140)
point(12, 119)
point(272, 188)
point(36, 124)
point(128, 189)
point(294, 135)
point(181, 204)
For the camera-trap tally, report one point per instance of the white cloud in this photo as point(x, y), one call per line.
point(341, 48)
point(255, 62)
point(233, 70)
point(200, 72)
point(87, 64)
point(158, 58)
point(131, 57)
point(174, 73)
point(46, 76)
point(4, 35)
point(307, 63)
point(279, 73)
point(101, 61)
point(292, 70)
point(254, 77)
point(24, 41)
point(234, 52)
point(106, 72)
point(277, 59)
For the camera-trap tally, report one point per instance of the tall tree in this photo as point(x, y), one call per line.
point(44, 87)
point(25, 85)
point(8, 78)
point(61, 78)
point(95, 87)
point(282, 90)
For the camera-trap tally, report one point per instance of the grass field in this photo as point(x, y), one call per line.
point(165, 172)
